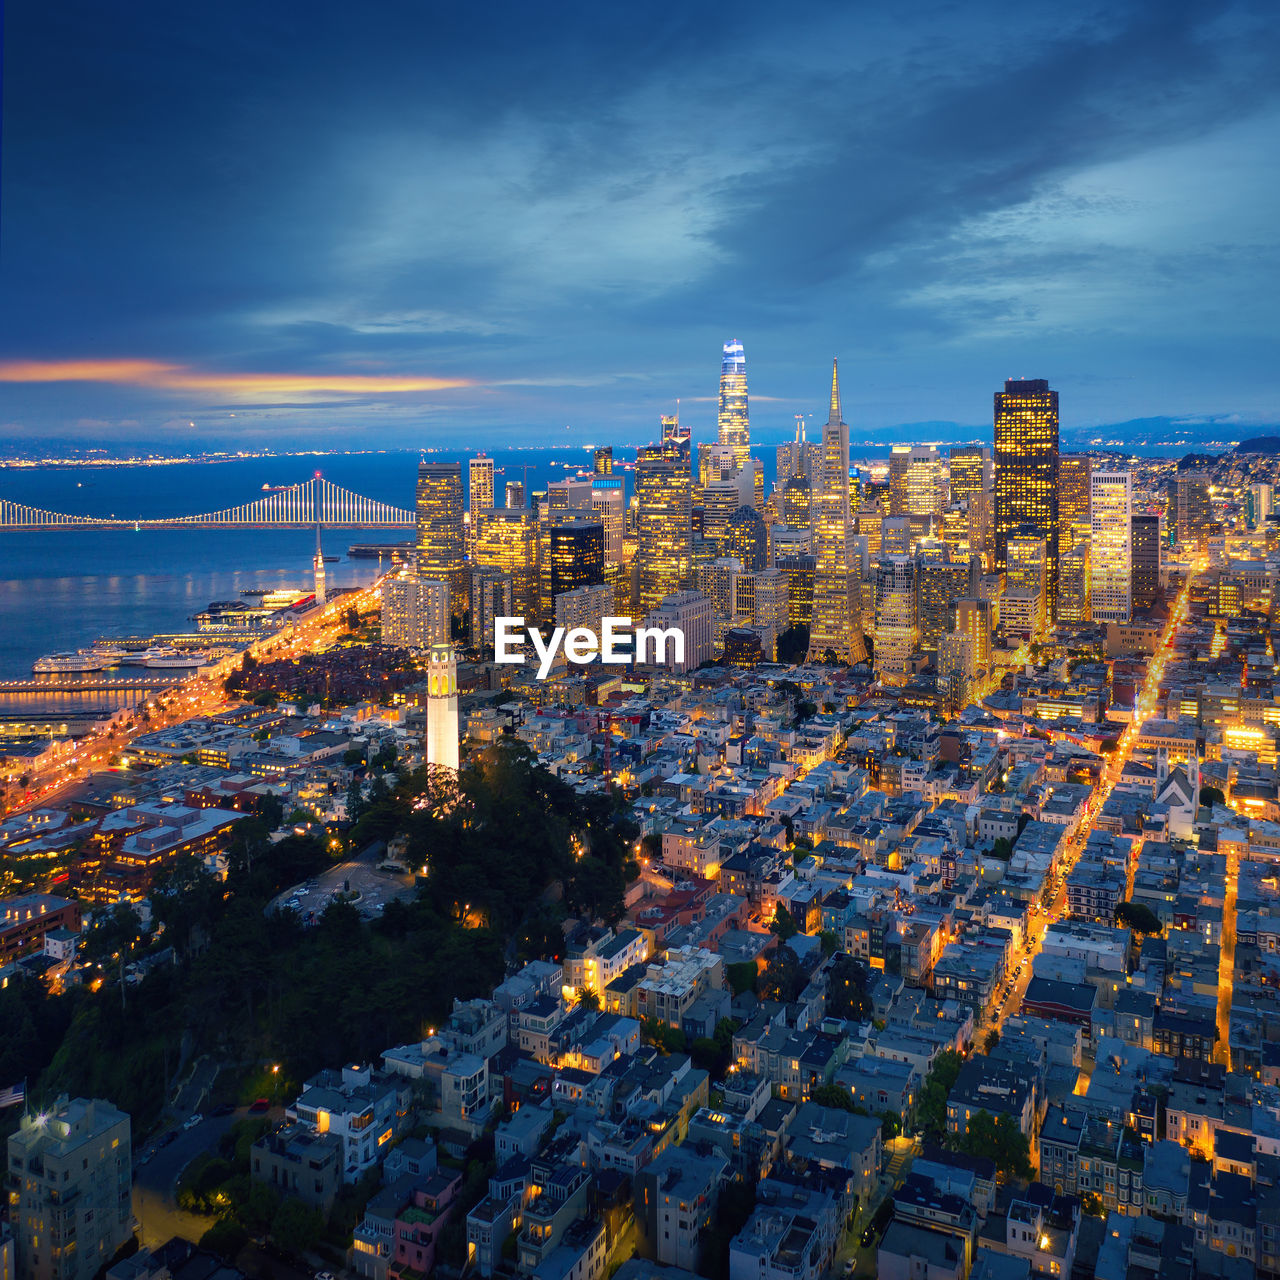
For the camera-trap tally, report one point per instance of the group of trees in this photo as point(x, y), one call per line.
point(509, 851)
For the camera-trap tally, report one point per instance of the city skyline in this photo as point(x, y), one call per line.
point(345, 242)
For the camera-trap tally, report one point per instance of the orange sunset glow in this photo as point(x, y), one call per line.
point(176, 377)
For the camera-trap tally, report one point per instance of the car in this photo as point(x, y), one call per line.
point(193, 1120)
point(223, 1109)
point(258, 1106)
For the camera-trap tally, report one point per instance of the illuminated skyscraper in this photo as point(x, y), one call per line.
point(1028, 572)
point(799, 568)
point(832, 625)
point(664, 526)
point(415, 611)
point(442, 707)
point(899, 467)
point(1195, 510)
point(515, 495)
point(897, 617)
point(1146, 529)
point(1073, 500)
point(480, 485)
point(441, 549)
point(507, 541)
point(1073, 584)
point(797, 498)
point(607, 502)
point(490, 598)
point(1026, 470)
point(941, 583)
point(718, 581)
point(734, 422)
point(970, 484)
point(747, 538)
point(973, 621)
point(955, 672)
point(926, 482)
point(603, 459)
point(1110, 546)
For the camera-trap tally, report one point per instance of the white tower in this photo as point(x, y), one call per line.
point(442, 706)
point(318, 563)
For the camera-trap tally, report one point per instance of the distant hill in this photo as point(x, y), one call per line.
point(1194, 461)
point(1259, 444)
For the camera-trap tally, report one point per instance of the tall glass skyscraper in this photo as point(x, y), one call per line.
point(664, 524)
point(832, 627)
point(1026, 472)
point(440, 541)
point(735, 426)
point(1111, 546)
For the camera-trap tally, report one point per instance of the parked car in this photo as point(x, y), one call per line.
point(259, 1105)
point(193, 1120)
point(223, 1109)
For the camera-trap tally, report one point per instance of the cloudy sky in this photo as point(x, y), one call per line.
point(418, 222)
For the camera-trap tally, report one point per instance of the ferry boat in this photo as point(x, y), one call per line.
point(172, 659)
point(67, 664)
point(108, 653)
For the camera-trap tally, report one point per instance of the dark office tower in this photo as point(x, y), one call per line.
point(1074, 471)
point(1195, 510)
point(1026, 471)
point(747, 538)
point(1145, 544)
point(664, 524)
point(604, 461)
point(734, 423)
point(441, 547)
point(797, 498)
point(575, 555)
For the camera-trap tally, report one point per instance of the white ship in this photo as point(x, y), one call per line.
point(112, 656)
point(67, 663)
point(173, 659)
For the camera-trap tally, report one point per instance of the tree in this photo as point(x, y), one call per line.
point(783, 924)
point(835, 1096)
point(1002, 849)
point(1139, 917)
point(783, 979)
point(297, 1227)
point(588, 999)
point(992, 1039)
point(742, 976)
point(830, 941)
point(848, 982)
point(1000, 1139)
point(1209, 796)
point(932, 1110)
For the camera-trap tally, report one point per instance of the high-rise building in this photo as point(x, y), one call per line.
point(515, 495)
point(442, 707)
point(1110, 546)
point(799, 566)
point(415, 611)
point(970, 477)
point(479, 485)
point(1074, 470)
point(674, 437)
point(797, 501)
point(1258, 503)
point(506, 540)
point(441, 548)
point(974, 622)
point(491, 597)
point(763, 597)
point(895, 536)
point(1026, 470)
point(608, 502)
point(1028, 571)
point(941, 583)
point(832, 624)
point(664, 526)
point(70, 1178)
point(1073, 584)
point(574, 555)
point(926, 482)
point(603, 460)
point(955, 672)
point(1195, 510)
point(689, 612)
point(747, 538)
point(720, 499)
point(584, 607)
point(897, 617)
point(734, 422)
point(718, 581)
point(1146, 529)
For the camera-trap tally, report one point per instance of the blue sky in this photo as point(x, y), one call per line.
point(409, 223)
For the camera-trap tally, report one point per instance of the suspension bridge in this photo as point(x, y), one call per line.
point(301, 506)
